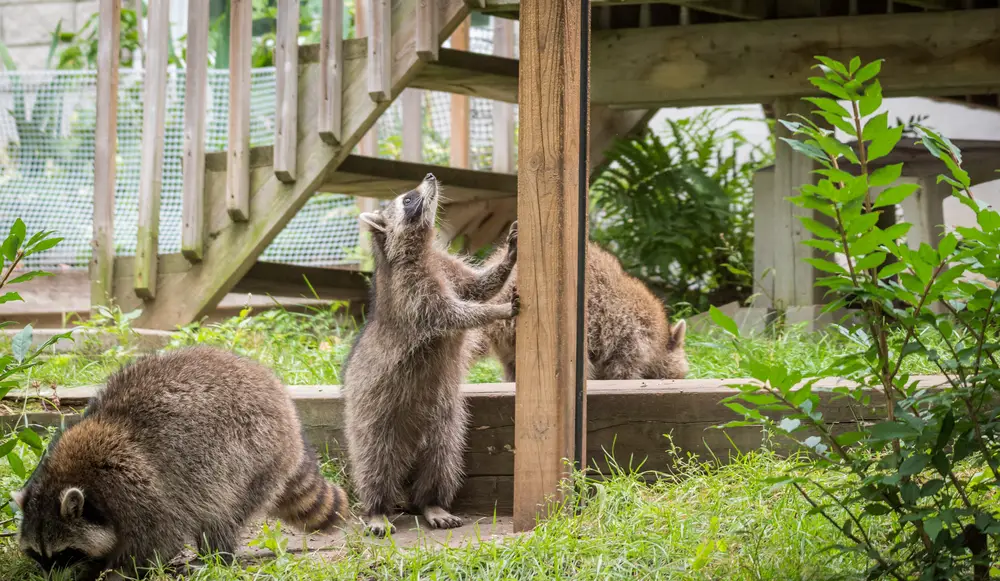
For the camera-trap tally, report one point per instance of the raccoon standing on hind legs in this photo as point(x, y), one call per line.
point(177, 448)
point(405, 415)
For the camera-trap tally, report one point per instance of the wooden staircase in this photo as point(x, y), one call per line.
point(328, 97)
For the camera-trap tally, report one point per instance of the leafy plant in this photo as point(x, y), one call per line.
point(917, 489)
point(15, 248)
point(662, 204)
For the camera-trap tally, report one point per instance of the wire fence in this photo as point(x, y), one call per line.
point(47, 135)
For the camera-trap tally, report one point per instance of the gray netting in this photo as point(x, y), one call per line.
point(47, 121)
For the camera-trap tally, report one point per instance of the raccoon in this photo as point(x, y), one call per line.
point(185, 446)
point(405, 416)
point(628, 333)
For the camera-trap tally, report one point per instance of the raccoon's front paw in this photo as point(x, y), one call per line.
point(512, 242)
point(515, 305)
point(379, 526)
point(439, 518)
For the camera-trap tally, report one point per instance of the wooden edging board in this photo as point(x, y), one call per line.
point(628, 420)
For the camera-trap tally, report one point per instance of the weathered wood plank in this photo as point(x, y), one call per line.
point(762, 61)
point(503, 113)
point(459, 140)
point(331, 59)
point(195, 103)
point(286, 63)
point(233, 248)
point(289, 280)
point(240, 66)
point(427, 33)
point(379, 51)
point(413, 119)
point(548, 194)
point(105, 151)
point(151, 171)
point(460, 72)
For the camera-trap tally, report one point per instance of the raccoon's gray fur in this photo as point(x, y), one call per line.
point(177, 448)
point(405, 416)
point(628, 333)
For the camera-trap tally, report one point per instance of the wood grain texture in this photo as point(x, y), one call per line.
point(548, 198)
point(926, 54)
point(195, 103)
point(240, 63)
point(233, 248)
point(105, 152)
point(331, 59)
point(154, 97)
point(472, 74)
point(427, 34)
point(379, 49)
point(503, 113)
point(413, 120)
point(286, 63)
point(459, 140)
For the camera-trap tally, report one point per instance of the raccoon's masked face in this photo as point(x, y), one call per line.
point(64, 531)
point(407, 224)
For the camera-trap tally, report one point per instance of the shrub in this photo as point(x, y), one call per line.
point(918, 486)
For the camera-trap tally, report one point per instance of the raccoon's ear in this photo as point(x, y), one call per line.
point(71, 503)
point(373, 220)
point(18, 497)
point(677, 336)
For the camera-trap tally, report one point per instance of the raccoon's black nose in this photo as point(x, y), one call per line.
point(429, 177)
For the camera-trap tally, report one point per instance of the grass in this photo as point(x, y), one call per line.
point(310, 348)
point(707, 521)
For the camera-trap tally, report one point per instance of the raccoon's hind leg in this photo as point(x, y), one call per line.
point(309, 502)
point(438, 471)
point(221, 539)
point(378, 467)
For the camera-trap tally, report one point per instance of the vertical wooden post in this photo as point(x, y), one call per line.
point(286, 63)
point(549, 191)
point(151, 170)
point(427, 30)
point(413, 137)
point(195, 97)
point(367, 146)
point(459, 140)
point(240, 64)
point(380, 50)
point(102, 257)
point(503, 113)
point(765, 208)
point(331, 73)
point(925, 210)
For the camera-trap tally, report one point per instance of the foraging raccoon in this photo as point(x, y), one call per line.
point(179, 447)
point(628, 333)
point(405, 416)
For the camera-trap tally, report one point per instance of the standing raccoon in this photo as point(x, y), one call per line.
point(628, 333)
point(186, 446)
point(405, 416)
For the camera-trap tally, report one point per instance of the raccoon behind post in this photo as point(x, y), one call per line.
point(186, 446)
point(405, 416)
point(628, 333)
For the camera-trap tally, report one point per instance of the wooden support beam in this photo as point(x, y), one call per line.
point(932, 4)
point(503, 113)
point(413, 120)
point(289, 280)
point(240, 64)
point(461, 72)
point(385, 178)
point(548, 201)
point(105, 152)
point(745, 9)
point(195, 101)
point(756, 62)
point(427, 30)
point(151, 171)
point(286, 63)
point(379, 49)
point(331, 60)
point(232, 249)
point(459, 140)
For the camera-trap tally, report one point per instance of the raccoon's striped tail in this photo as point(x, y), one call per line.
point(309, 502)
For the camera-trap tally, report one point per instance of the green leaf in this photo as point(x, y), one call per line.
point(890, 431)
point(7, 445)
point(830, 88)
point(789, 424)
point(818, 228)
point(892, 270)
point(8, 297)
point(806, 149)
point(863, 223)
point(914, 464)
point(989, 220)
point(947, 245)
point(723, 321)
point(867, 243)
point(895, 194)
point(875, 126)
point(16, 465)
point(826, 265)
point(43, 246)
point(850, 438)
point(29, 275)
point(869, 71)
point(871, 100)
point(873, 260)
point(885, 176)
point(855, 63)
point(931, 487)
point(877, 509)
point(833, 65)
point(830, 106)
point(19, 230)
point(884, 143)
point(29, 437)
point(932, 527)
point(21, 343)
point(9, 248)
